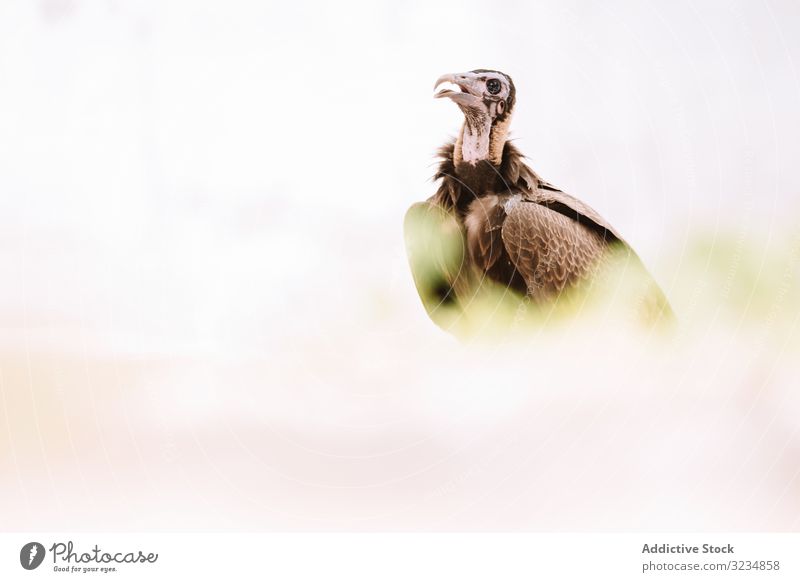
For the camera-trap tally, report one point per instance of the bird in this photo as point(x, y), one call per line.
point(494, 223)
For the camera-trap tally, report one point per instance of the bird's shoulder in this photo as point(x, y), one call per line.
point(534, 190)
point(547, 196)
point(518, 186)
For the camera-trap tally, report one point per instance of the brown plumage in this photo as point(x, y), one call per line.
point(493, 219)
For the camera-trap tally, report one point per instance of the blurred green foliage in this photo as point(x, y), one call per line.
point(744, 277)
point(729, 278)
point(465, 302)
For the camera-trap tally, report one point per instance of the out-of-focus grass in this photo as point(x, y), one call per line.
point(464, 301)
point(726, 280)
point(739, 275)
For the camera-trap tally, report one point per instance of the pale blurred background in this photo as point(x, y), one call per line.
point(207, 319)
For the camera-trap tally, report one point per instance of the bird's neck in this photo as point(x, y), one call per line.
point(481, 140)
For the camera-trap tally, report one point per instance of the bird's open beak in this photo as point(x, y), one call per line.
point(467, 90)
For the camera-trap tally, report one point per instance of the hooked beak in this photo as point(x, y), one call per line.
point(470, 88)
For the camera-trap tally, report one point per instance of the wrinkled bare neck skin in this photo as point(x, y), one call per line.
point(475, 135)
point(478, 152)
point(481, 138)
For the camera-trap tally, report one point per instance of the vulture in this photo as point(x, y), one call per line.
point(494, 224)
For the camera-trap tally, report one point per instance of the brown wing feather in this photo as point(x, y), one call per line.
point(563, 203)
point(550, 250)
point(483, 224)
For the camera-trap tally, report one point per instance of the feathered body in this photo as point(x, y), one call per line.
point(493, 219)
point(521, 231)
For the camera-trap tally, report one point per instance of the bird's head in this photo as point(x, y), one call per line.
point(487, 99)
point(481, 93)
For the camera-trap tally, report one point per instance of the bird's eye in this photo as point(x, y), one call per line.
point(493, 86)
